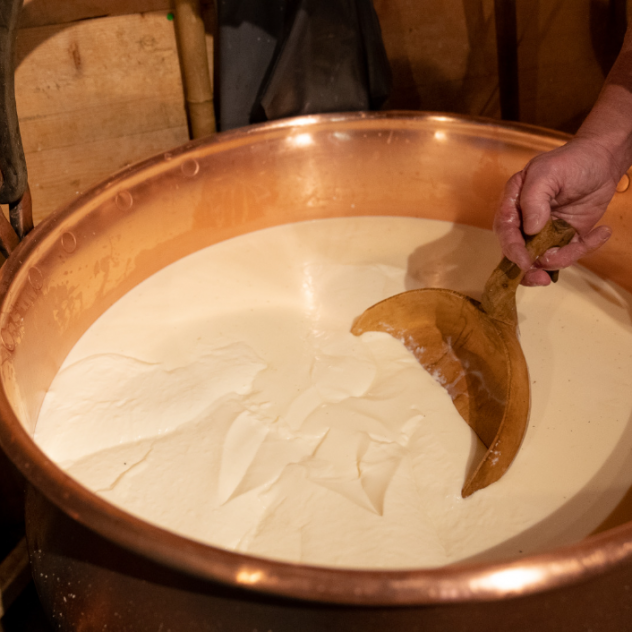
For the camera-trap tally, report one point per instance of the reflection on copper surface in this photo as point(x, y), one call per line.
point(249, 577)
point(512, 579)
point(301, 140)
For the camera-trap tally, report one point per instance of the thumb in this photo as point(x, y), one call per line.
point(535, 203)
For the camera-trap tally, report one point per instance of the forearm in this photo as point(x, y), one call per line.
point(574, 182)
point(609, 123)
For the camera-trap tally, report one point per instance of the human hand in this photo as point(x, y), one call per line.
point(574, 182)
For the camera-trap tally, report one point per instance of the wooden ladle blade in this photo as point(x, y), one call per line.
point(473, 349)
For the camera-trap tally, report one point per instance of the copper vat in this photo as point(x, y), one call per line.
point(96, 567)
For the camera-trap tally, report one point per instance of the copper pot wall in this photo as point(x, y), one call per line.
point(95, 565)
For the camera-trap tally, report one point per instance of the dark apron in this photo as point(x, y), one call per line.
point(293, 57)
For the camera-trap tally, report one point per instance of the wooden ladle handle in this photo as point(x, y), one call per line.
point(499, 296)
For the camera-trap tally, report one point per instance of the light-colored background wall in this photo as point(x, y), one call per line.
point(98, 83)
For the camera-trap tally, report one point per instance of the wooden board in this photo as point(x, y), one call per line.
point(45, 12)
point(93, 97)
point(563, 60)
point(443, 55)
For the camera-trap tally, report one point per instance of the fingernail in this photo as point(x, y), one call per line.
point(519, 256)
point(548, 253)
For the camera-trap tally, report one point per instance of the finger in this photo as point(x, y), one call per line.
point(535, 201)
point(535, 277)
point(507, 224)
point(557, 258)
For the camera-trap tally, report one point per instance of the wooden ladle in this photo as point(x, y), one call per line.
point(473, 349)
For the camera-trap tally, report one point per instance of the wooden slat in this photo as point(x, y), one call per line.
point(58, 175)
point(100, 122)
point(442, 54)
point(95, 96)
point(561, 60)
point(44, 12)
point(110, 60)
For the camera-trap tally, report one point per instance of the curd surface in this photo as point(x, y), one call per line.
point(225, 399)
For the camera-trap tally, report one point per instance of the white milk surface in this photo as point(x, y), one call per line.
point(225, 399)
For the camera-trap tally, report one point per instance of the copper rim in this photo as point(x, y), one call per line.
point(457, 583)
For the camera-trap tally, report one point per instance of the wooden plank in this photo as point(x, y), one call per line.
point(109, 60)
point(95, 96)
point(44, 12)
point(442, 55)
point(561, 68)
point(57, 176)
point(100, 122)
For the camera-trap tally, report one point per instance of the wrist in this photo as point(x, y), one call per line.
point(608, 128)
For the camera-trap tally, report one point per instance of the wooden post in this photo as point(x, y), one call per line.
point(198, 89)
